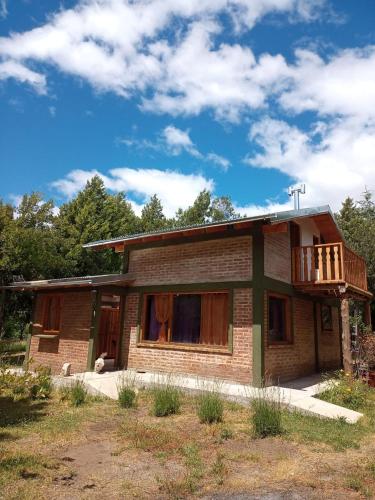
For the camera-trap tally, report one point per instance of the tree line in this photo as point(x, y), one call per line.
point(38, 243)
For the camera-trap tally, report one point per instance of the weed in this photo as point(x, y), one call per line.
point(126, 397)
point(167, 400)
point(41, 387)
point(218, 468)
point(226, 433)
point(147, 437)
point(75, 393)
point(345, 390)
point(194, 465)
point(210, 408)
point(266, 415)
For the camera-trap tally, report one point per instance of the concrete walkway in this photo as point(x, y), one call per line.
point(296, 395)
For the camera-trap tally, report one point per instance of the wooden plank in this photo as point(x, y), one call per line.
point(305, 269)
point(320, 264)
point(328, 262)
point(275, 228)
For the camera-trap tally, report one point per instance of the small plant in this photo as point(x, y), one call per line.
point(75, 393)
point(218, 468)
point(194, 465)
point(266, 414)
point(167, 400)
point(345, 390)
point(210, 408)
point(41, 387)
point(226, 434)
point(126, 397)
point(126, 392)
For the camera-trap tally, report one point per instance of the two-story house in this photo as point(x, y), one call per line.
point(245, 300)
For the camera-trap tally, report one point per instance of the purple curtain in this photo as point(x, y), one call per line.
point(153, 326)
point(186, 318)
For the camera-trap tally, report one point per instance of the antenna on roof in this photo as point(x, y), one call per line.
point(295, 191)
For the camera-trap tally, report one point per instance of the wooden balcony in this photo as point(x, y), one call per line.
point(330, 268)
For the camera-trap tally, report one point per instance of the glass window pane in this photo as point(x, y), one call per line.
point(277, 319)
point(152, 326)
point(186, 318)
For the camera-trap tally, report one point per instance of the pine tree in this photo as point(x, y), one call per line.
point(152, 217)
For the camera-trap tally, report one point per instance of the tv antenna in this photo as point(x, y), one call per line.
point(295, 191)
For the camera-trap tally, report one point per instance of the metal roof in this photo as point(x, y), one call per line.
point(73, 282)
point(272, 218)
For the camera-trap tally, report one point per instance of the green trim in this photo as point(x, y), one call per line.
point(125, 260)
point(190, 287)
point(230, 233)
point(139, 317)
point(258, 306)
point(316, 337)
point(94, 329)
point(30, 334)
point(119, 360)
point(340, 337)
point(230, 321)
point(279, 286)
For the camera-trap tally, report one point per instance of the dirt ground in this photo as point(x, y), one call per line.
point(100, 451)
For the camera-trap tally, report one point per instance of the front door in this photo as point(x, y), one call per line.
point(109, 327)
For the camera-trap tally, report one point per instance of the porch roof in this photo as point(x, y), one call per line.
point(73, 282)
point(322, 216)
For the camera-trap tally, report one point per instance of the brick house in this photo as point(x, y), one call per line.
point(247, 300)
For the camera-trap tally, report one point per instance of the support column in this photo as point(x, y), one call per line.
point(258, 305)
point(367, 317)
point(317, 315)
point(30, 332)
point(346, 340)
point(94, 329)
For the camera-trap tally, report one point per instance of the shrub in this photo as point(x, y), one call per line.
point(210, 408)
point(166, 400)
point(76, 393)
point(345, 390)
point(126, 397)
point(41, 387)
point(266, 415)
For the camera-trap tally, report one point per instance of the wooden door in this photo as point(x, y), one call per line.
point(109, 332)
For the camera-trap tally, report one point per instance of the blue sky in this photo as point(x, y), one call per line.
point(242, 98)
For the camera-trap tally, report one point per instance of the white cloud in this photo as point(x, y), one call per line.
point(3, 9)
point(174, 189)
point(52, 110)
point(334, 161)
point(219, 160)
point(13, 69)
point(178, 140)
point(126, 41)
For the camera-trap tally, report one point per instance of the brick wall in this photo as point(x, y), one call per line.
point(288, 362)
point(329, 342)
point(226, 259)
point(71, 345)
point(277, 256)
point(236, 366)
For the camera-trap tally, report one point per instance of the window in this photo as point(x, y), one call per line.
point(186, 318)
point(326, 314)
point(51, 313)
point(279, 330)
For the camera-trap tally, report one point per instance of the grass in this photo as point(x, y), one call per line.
point(345, 390)
point(210, 408)
point(167, 400)
point(12, 346)
point(177, 457)
point(76, 393)
point(266, 415)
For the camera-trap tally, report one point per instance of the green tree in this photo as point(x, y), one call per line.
point(222, 209)
point(152, 217)
point(92, 215)
point(357, 223)
point(198, 213)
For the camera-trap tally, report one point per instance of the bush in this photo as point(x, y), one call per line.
point(126, 397)
point(166, 400)
point(26, 385)
point(41, 387)
point(75, 393)
point(210, 408)
point(345, 390)
point(266, 416)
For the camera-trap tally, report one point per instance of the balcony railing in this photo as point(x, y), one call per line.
point(328, 264)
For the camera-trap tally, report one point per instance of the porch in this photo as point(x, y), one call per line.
point(330, 269)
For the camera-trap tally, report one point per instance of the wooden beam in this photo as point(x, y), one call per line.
point(258, 307)
point(275, 228)
point(345, 338)
point(367, 314)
